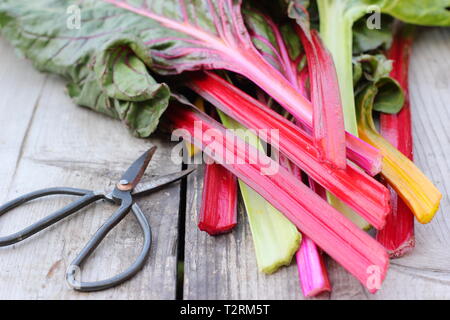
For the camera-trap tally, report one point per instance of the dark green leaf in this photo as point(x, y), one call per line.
point(420, 12)
point(367, 39)
point(390, 97)
point(278, 43)
point(373, 71)
point(120, 84)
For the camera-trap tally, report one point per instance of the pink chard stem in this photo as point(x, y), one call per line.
point(328, 118)
point(354, 249)
point(361, 192)
point(312, 270)
point(310, 260)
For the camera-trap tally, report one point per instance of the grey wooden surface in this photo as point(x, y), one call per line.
point(45, 140)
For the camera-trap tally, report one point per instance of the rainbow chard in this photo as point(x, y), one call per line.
point(207, 34)
point(398, 234)
point(275, 238)
point(326, 100)
point(362, 193)
point(165, 36)
point(339, 17)
point(311, 267)
point(282, 48)
point(377, 91)
point(274, 44)
point(354, 249)
point(380, 92)
point(185, 38)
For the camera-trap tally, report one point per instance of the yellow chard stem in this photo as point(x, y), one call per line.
point(416, 190)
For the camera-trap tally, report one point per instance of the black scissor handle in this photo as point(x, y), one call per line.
point(125, 207)
point(87, 197)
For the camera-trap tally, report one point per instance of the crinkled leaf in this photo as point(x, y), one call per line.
point(357, 73)
point(368, 39)
point(336, 22)
point(120, 84)
point(298, 10)
point(390, 97)
point(420, 12)
point(263, 37)
point(122, 74)
point(179, 36)
point(374, 67)
point(374, 70)
point(279, 44)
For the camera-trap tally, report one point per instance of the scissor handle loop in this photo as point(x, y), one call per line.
point(87, 197)
point(95, 241)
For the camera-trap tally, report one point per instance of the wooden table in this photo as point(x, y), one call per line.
point(46, 140)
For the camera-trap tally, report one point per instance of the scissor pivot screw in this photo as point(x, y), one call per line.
point(124, 185)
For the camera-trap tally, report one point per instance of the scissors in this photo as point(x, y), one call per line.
point(126, 190)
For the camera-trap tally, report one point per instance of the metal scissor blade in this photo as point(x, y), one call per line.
point(135, 172)
point(158, 182)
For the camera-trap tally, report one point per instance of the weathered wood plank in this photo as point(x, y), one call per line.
point(66, 145)
point(224, 267)
point(17, 105)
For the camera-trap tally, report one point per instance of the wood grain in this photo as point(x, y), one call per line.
point(224, 267)
point(45, 141)
point(48, 141)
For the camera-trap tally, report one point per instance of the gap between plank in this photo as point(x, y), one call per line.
point(179, 290)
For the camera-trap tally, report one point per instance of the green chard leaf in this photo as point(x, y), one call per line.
point(420, 12)
point(368, 39)
point(180, 36)
point(373, 71)
point(104, 63)
point(278, 43)
point(139, 99)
